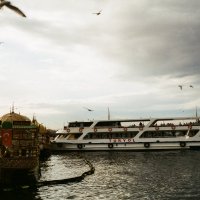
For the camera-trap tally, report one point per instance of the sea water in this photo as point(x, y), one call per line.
point(118, 175)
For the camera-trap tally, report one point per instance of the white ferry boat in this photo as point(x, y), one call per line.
point(130, 134)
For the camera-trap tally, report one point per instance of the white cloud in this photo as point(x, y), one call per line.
point(131, 58)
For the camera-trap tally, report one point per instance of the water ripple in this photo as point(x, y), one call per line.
point(121, 175)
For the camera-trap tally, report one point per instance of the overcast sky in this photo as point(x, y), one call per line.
point(130, 58)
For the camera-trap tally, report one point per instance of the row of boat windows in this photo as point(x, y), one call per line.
point(19, 152)
point(79, 124)
point(24, 152)
point(106, 135)
point(29, 143)
point(23, 135)
point(172, 125)
point(104, 124)
point(132, 134)
point(131, 125)
point(26, 123)
point(102, 135)
point(73, 136)
point(156, 134)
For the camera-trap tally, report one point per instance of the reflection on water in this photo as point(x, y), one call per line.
point(119, 175)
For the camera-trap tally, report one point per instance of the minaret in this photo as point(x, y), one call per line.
point(34, 118)
point(13, 108)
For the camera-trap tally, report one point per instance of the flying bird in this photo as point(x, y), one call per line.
point(191, 86)
point(88, 109)
point(9, 5)
point(97, 13)
point(181, 87)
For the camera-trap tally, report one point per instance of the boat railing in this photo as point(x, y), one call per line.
point(129, 126)
point(140, 126)
point(175, 122)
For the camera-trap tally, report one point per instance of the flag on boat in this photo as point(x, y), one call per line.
point(6, 137)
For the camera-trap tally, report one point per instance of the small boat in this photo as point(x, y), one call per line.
point(129, 134)
point(19, 150)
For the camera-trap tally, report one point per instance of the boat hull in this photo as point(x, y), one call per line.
point(140, 146)
point(19, 171)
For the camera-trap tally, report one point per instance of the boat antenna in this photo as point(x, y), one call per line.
point(108, 114)
point(196, 113)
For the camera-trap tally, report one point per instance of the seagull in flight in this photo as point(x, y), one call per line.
point(9, 5)
point(97, 13)
point(88, 109)
point(181, 87)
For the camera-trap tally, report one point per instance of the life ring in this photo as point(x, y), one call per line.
point(157, 128)
point(182, 144)
point(146, 144)
point(110, 145)
point(189, 126)
point(173, 127)
point(80, 146)
point(110, 129)
point(140, 128)
point(95, 129)
point(68, 130)
point(80, 130)
point(125, 129)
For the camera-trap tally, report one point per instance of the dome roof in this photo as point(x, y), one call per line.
point(14, 117)
point(42, 128)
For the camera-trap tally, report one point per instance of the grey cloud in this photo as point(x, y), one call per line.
point(147, 38)
point(158, 39)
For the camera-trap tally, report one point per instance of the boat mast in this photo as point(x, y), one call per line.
point(196, 114)
point(108, 114)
